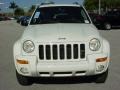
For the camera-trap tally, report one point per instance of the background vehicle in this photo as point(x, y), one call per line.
point(113, 17)
point(1, 18)
point(4, 18)
point(107, 21)
point(19, 19)
point(25, 20)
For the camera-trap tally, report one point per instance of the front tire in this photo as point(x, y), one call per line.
point(102, 77)
point(23, 80)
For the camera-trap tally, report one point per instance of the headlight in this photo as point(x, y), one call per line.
point(28, 46)
point(94, 44)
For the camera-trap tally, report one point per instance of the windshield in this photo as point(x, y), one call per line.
point(59, 14)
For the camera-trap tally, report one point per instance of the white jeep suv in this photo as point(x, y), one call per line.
point(61, 41)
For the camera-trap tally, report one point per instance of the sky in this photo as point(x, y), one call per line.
point(27, 3)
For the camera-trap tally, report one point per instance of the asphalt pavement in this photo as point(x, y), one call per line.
point(10, 31)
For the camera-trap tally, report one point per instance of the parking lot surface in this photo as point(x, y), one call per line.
point(10, 31)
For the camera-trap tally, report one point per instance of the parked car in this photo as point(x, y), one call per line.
point(106, 21)
point(61, 41)
point(19, 19)
point(113, 18)
point(7, 18)
point(1, 18)
point(25, 20)
point(4, 18)
point(12, 18)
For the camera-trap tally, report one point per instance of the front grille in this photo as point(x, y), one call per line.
point(61, 51)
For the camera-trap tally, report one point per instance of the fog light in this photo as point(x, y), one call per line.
point(100, 68)
point(24, 70)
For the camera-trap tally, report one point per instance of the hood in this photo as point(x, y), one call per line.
point(60, 32)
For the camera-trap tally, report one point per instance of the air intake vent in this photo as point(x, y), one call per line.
point(61, 51)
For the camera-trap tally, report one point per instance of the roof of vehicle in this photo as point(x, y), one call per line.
point(53, 5)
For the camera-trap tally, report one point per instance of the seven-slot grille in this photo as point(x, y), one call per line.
point(61, 51)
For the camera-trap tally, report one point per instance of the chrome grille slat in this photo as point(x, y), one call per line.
point(51, 52)
point(79, 53)
point(65, 52)
point(61, 51)
point(72, 50)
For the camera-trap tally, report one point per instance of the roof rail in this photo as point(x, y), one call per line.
point(76, 3)
point(47, 2)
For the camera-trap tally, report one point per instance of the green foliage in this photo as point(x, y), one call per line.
point(19, 12)
point(93, 4)
point(32, 8)
point(13, 5)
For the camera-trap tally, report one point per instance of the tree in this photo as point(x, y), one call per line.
point(31, 10)
point(93, 4)
point(13, 6)
point(19, 12)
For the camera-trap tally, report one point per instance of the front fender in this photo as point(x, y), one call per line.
point(106, 47)
point(17, 48)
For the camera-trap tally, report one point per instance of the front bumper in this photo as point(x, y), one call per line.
point(36, 68)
